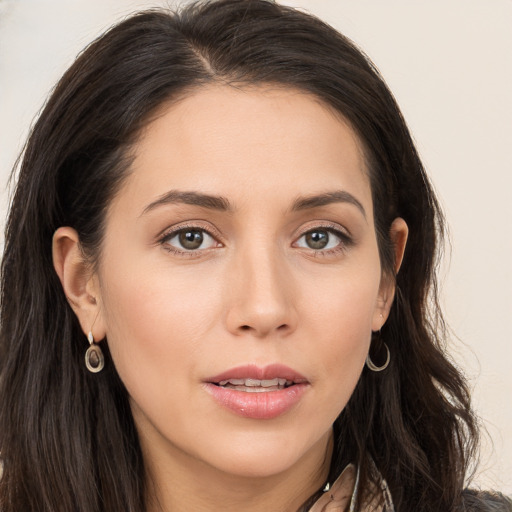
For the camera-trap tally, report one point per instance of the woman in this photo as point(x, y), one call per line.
point(218, 282)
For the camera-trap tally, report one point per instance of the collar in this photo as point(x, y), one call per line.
point(343, 494)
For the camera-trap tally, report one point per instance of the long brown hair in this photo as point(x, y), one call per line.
point(67, 437)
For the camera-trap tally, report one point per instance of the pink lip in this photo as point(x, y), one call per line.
point(251, 371)
point(264, 405)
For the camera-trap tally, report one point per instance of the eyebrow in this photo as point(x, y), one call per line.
point(193, 198)
point(338, 196)
point(222, 204)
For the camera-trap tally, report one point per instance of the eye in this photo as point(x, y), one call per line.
point(321, 239)
point(190, 239)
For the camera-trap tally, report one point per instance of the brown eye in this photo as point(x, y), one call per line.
point(191, 239)
point(323, 239)
point(317, 239)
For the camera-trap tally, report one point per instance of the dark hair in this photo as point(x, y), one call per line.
point(67, 437)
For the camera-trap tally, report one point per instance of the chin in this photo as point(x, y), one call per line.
point(257, 466)
point(263, 456)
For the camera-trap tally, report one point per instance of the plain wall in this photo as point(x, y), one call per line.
point(449, 64)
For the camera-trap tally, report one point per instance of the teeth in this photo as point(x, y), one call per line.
point(256, 383)
point(235, 382)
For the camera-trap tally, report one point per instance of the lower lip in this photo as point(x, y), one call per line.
point(262, 406)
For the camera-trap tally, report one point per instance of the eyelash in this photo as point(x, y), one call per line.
point(345, 242)
point(170, 234)
point(345, 239)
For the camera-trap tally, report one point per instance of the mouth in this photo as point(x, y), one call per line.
point(256, 392)
point(255, 385)
point(255, 379)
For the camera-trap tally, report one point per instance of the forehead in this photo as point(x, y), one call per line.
point(255, 141)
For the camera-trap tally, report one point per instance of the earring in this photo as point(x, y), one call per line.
point(371, 365)
point(94, 359)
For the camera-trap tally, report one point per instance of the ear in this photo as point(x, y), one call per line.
point(398, 233)
point(79, 282)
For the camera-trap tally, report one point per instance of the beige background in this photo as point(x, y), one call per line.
point(449, 64)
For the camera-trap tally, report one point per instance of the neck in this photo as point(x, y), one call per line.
point(177, 482)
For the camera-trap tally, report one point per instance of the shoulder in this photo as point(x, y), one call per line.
point(485, 501)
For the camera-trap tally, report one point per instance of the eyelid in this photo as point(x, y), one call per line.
point(191, 224)
point(327, 225)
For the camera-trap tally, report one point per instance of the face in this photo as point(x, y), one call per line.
point(239, 280)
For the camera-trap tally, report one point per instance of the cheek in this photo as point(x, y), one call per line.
point(155, 321)
point(340, 325)
point(344, 303)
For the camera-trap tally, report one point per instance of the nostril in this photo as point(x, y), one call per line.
point(282, 327)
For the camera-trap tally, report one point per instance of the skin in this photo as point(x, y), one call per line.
point(254, 292)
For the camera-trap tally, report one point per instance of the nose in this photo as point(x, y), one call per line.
point(262, 295)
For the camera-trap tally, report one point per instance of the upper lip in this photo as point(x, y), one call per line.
point(252, 371)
